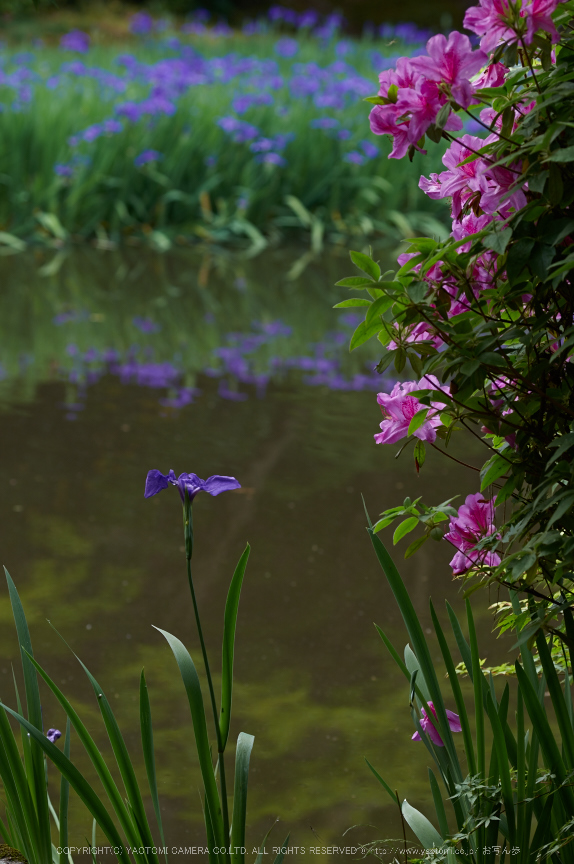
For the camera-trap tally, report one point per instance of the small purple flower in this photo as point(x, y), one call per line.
point(370, 150)
point(355, 157)
point(286, 47)
point(146, 157)
point(430, 729)
point(146, 325)
point(271, 159)
point(53, 735)
point(76, 40)
point(157, 482)
point(141, 24)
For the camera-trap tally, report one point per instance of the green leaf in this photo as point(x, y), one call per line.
point(498, 240)
point(418, 420)
point(64, 800)
point(77, 781)
point(148, 751)
point(419, 454)
point(424, 830)
point(229, 624)
point(563, 155)
point(438, 804)
point(380, 305)
point(385, 786)
point(353, 301)
point(421, 649)
point(242, 756)
point(503, 767)
point(417, 291)
point(17, 791)
point(366, 264)
point(363, 333)
point(281, 854)
point(456, 692)
point(499, 466)
point(98, 762)
point(405, 528)
point(415, 546)
point(442, 116)
point(354, 282)
point(562, 444)
point(34, 710)
point(127, 772)
point(192, 688)
point(558, 701)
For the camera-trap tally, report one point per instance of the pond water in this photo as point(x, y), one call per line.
point(115, 363)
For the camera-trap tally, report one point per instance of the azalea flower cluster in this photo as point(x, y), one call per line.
point(421, 91)
point(421, 96)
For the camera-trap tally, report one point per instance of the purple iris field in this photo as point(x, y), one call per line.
point(202, 132)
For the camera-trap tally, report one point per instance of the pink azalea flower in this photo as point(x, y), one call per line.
point(403, 76)
point(493, 76)
point(427, 726)
point(383, 121)
point(491, 19)
point(423, 104)
point(474, 521)
point(538, 17)
point(419, 333)
point(452, 62)
point(399, 407)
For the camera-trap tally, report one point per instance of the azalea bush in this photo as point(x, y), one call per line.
point(484, 319)
point(485, 322)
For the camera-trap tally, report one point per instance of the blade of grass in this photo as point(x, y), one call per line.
point(503, 768)
point(438, 805)
point(98, 762)
point(242, 756)
point(456, 691)
point(193, 690)
point(149, 753)
point(558, 701)
point(385, 786)
point(34, 710)
point(420, 647)
point(17, 790)
point(545, 735)
point(77, 782)
point(64, 799)
point(230, 621)
point(281, 854)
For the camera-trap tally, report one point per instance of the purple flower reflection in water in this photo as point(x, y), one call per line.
point(190, 483)
point(53, 735)
point(231, 395)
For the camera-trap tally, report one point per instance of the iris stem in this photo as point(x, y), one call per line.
point(220, 747)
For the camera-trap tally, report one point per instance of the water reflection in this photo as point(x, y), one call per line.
point(314, 683)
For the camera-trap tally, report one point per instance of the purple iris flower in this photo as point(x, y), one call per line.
point(156, 482)
point(76, 40)
point(53, 735)
point(147, 156)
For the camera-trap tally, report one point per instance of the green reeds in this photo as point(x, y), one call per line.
point(511, 791)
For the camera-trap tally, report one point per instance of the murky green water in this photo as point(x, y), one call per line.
point(90, 403)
